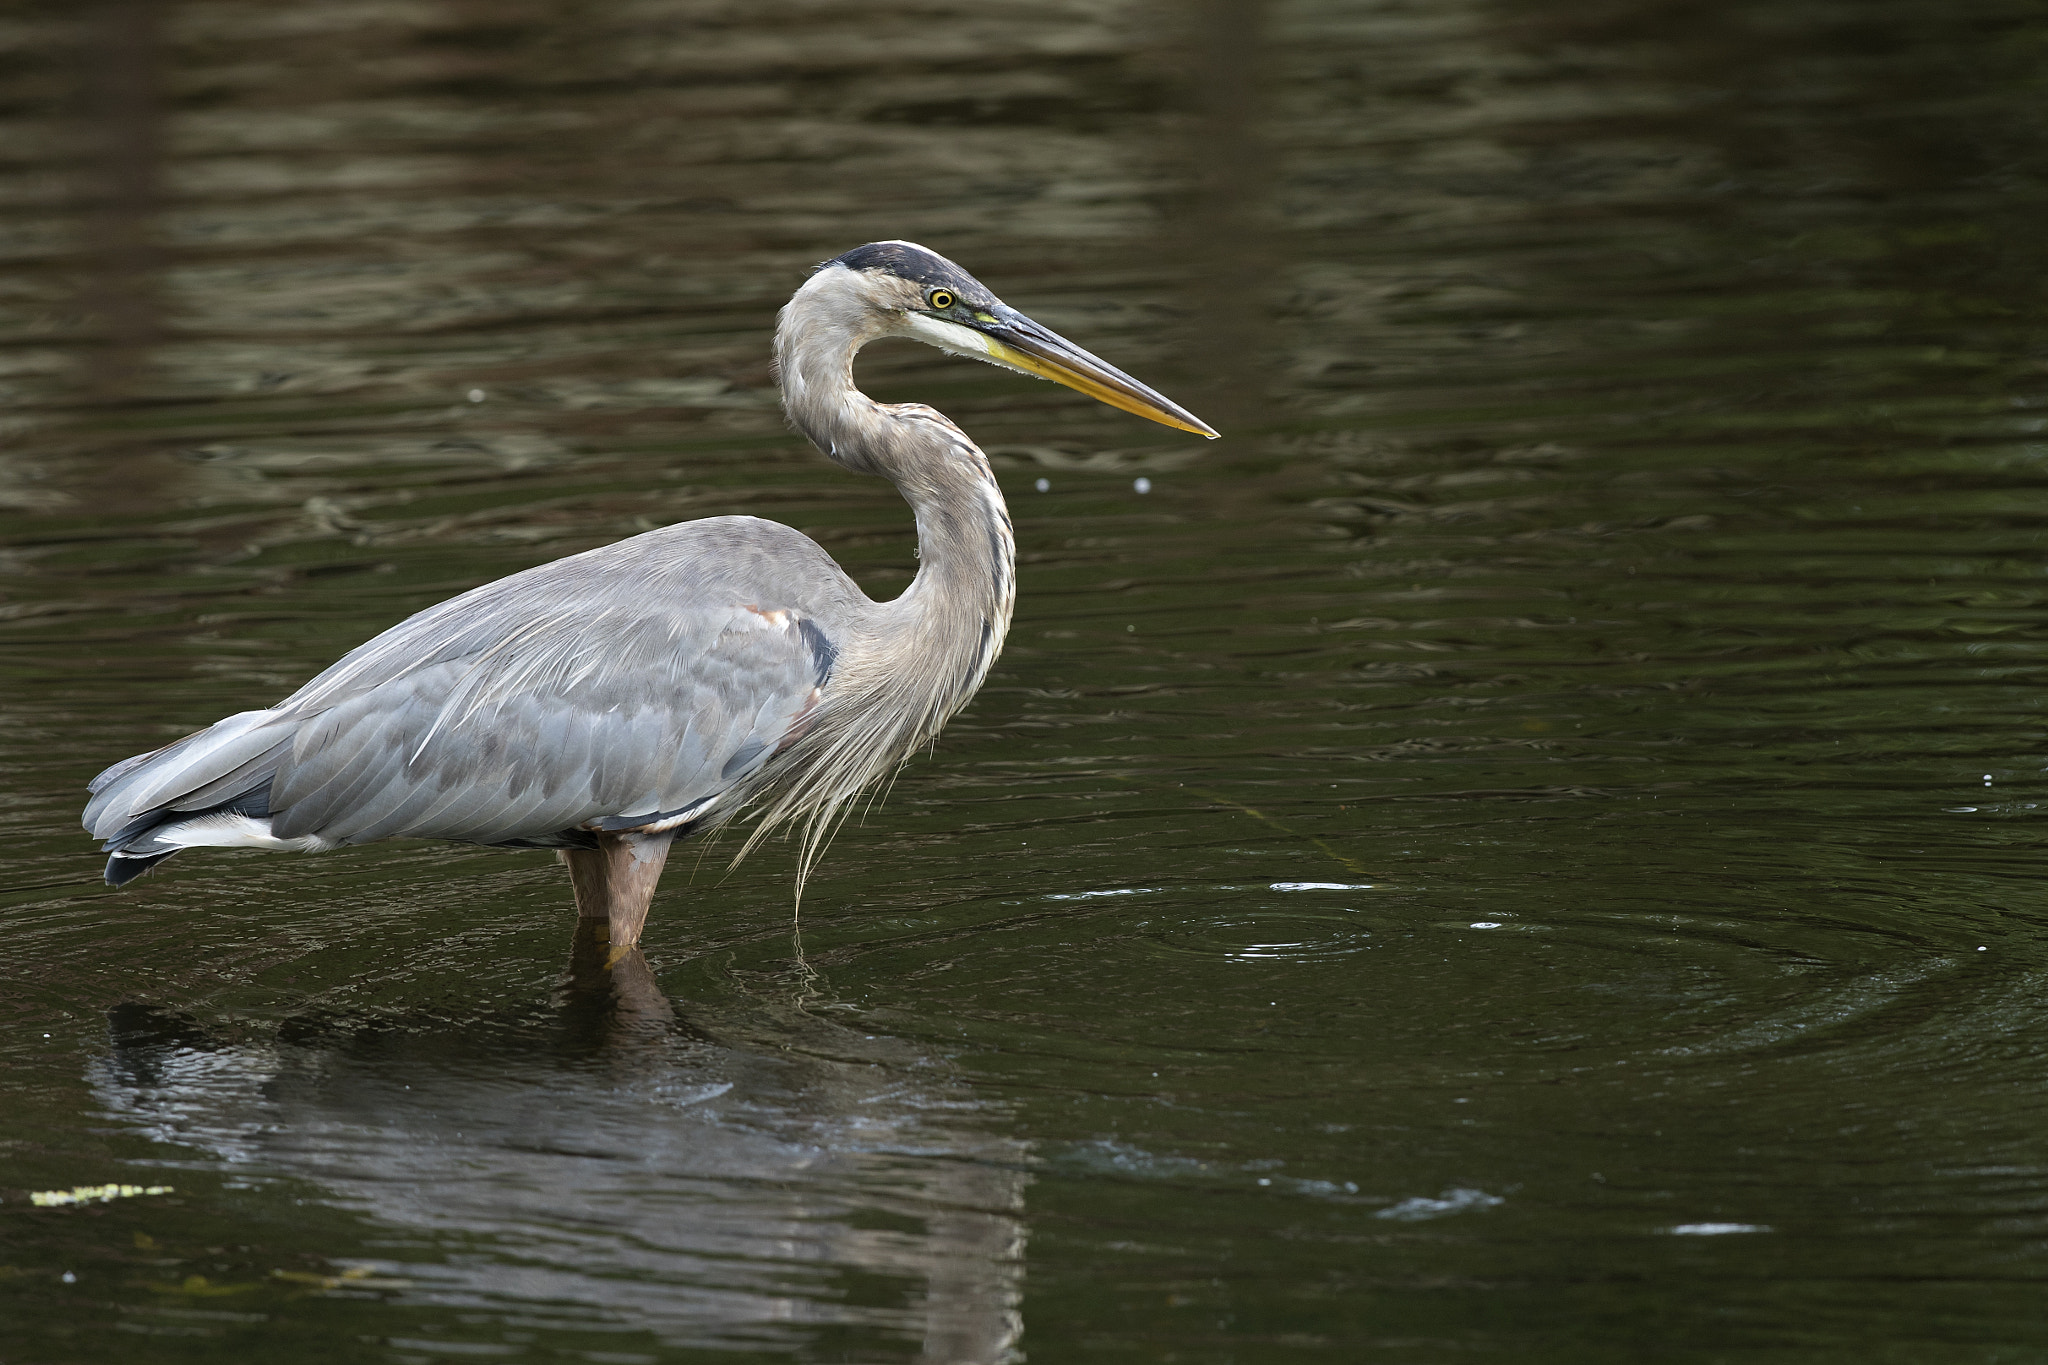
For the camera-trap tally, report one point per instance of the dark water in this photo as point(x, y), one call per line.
point(1525, 850)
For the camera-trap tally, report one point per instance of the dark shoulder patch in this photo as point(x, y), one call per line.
point(907, 260)
point(823, 652)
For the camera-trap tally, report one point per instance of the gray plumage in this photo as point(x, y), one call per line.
point(660, 686)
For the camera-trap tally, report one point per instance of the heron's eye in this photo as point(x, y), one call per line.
point(939, 298)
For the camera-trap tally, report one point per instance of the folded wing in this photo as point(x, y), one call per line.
point(523, 714)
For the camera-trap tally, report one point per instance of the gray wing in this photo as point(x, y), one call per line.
point(631, 687)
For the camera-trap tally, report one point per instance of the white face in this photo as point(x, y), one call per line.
point(954, 339)
point(870, 304)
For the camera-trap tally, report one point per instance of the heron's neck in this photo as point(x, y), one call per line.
point(954, 615)
point(959, 604)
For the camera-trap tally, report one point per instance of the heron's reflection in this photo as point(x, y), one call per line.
point(667, 1172)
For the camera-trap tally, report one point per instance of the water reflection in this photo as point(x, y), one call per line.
point(621, 1162)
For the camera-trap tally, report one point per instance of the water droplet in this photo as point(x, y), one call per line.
point(1043, 485)
point(1143, 485)
point(476, 395)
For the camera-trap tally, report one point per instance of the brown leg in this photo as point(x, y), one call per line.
point(615, 881)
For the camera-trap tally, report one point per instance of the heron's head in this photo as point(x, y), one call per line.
point(905, 290)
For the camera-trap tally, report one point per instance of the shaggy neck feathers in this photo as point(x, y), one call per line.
point(926, 653)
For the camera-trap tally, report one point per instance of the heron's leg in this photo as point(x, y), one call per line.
point(635, 866)
point(588, 876)
point(615, 881)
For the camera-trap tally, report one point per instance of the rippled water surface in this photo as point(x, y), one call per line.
point(1523, 850)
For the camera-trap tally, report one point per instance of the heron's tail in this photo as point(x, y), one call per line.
point(212, 787)
point(123, 868)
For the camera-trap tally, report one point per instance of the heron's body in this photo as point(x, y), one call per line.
point(611, 702)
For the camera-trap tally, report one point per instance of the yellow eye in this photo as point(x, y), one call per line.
point(940, 298)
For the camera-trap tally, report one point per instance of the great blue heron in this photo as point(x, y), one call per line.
point(612, 702)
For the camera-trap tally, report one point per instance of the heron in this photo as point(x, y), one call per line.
point(612, 702)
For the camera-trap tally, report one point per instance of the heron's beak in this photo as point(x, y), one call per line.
point(1016, 341)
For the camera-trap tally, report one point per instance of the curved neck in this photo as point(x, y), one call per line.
point(966, 585)
point(949, 624)
point(906, 666)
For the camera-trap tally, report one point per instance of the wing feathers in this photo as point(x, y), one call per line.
point(252, 776)
point(455, 751)
point(365, 763)
point(535, 705)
